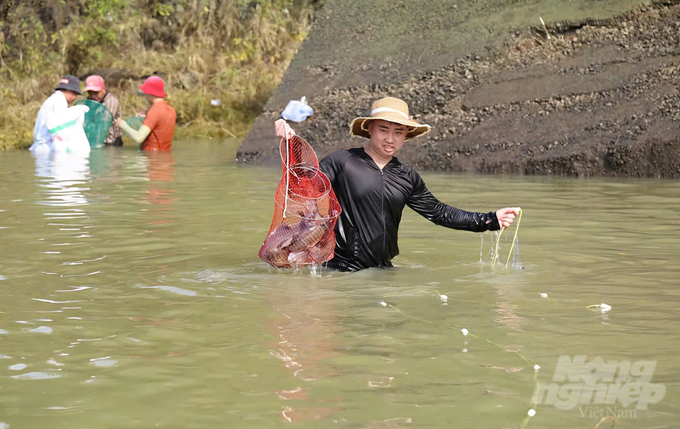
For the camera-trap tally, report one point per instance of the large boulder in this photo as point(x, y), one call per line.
point(592, 93)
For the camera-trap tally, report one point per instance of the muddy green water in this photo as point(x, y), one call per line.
point(132, 296)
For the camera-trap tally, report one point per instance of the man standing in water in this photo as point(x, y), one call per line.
point(158, 128)
point(96, 90)
point(373, 187)
point(65, 93)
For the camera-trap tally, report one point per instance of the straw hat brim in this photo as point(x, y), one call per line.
point(359, 126)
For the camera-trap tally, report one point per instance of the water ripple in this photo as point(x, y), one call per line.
point(17, 367)
point(172, 289)
point(56, 302)
point(36, 376)
point(76, 289)
point(41, 330)
point(103, 362)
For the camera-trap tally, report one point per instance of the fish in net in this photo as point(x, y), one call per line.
point(305, 211)
point(97, 122)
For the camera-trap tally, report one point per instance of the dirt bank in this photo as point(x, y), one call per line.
point(599, 97)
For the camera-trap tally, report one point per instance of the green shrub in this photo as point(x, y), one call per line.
point(235, 50)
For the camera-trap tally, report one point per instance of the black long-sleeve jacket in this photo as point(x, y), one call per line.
point(372, 201)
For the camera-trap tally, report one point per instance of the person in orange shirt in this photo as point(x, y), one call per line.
point(158, 128)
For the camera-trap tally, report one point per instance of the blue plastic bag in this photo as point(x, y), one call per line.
point(297, 111)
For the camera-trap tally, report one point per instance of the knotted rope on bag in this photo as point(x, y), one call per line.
point(305, 210)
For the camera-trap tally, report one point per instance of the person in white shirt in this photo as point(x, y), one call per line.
point(65, 93)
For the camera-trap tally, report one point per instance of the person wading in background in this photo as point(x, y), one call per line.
point(96, 89)
point(373, 188)
point(158, 128)
point(65, 94)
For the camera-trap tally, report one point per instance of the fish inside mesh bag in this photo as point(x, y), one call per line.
point(305, 211)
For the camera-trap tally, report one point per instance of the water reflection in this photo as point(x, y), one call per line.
point(78, 237)
point(508, 298)
point(161, 173)
point(107, 164)
point(65, 175)
point(306, 333)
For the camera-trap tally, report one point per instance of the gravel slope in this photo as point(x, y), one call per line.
point(600, 97)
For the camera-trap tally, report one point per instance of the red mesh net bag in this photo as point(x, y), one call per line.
point(305, 213)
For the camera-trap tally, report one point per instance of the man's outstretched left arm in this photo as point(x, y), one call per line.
point(425, 204)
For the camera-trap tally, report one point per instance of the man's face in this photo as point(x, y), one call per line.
point(96, 95)
point(386, 137)
point(70, 96)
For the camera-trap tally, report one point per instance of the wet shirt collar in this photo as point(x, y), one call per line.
point(392, 163)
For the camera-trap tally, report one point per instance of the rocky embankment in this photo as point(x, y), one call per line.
point(595, 98)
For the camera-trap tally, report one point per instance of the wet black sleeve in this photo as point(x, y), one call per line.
point(333, 164)
point(426, 205)
point(328, 167)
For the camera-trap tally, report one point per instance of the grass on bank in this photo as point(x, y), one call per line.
point(205, 50)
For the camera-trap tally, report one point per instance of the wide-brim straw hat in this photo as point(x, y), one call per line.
point(392, 110)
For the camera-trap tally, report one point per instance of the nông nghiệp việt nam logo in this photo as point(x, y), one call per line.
point(596, 382)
